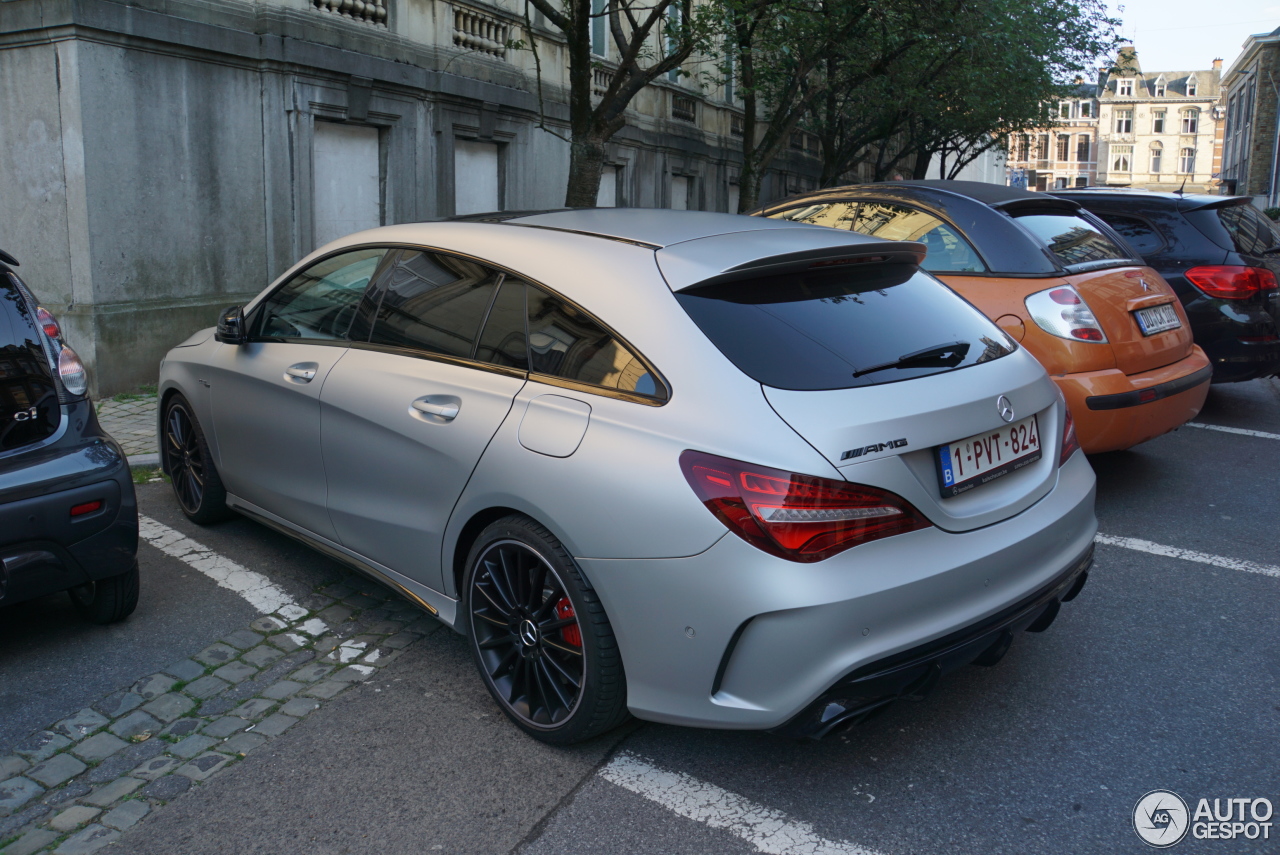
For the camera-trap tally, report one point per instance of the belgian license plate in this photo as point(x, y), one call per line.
point(987, 456)
point(1157, 319)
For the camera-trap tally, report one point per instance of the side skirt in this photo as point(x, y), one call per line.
point(432, 601)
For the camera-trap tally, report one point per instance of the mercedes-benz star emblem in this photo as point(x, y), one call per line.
point(1004, 408)
point(528, 633)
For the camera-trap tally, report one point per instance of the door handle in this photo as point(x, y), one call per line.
point(447, 411)
point(302, 372)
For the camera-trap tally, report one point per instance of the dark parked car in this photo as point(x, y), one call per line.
point(68, 517)
point(1222, 257)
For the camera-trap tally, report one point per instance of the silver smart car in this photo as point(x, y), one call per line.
point(704, 469)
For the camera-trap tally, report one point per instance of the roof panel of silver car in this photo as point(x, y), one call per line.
point(656, 227)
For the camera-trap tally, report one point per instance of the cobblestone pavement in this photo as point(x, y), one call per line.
point(131, 420)
point(75, 786)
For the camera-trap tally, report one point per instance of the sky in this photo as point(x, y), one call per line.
point(1184, 35)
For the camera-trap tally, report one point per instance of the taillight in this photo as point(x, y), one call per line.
point(48, 323)
point(1063, 312)
point(1230, 281)
point(797, 517)
point(1070, 443)
point(72, 372)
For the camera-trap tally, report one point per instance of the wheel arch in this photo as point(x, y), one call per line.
point(470, 531)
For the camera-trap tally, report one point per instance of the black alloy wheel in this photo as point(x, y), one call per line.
point(540, 637)
point(189, 465)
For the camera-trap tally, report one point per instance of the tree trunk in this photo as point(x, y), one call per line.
point(586, 159)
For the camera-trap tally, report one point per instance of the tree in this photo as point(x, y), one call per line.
point(651, 38)
point(787, 54)
point(976, 78)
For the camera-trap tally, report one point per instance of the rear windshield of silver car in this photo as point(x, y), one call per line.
point(839, 329)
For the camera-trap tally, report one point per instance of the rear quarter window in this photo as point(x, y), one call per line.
point(1250, 231)
point(842, 329)
point(1072, 239)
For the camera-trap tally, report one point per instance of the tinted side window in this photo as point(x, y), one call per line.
point(503, 339)
point(321, 301)
point(1250, 231)
point(948, 252)
point(1072, 239)
point(433, 302)
point(1140, 234)
point(564, 342)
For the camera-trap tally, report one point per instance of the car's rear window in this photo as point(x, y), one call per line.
point(29, 410)
point(840, 329)
point(1073, 239)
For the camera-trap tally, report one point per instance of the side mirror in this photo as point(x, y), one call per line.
point(231, 326)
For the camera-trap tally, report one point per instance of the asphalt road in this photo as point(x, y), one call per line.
point(1164, 673)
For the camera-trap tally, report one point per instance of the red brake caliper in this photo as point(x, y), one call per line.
point(571, 634)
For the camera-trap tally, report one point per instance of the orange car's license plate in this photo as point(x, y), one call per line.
point(985, 457)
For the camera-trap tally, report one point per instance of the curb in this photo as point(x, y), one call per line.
point(143, 461)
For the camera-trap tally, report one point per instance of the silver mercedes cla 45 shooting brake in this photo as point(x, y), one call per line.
point(703, 469)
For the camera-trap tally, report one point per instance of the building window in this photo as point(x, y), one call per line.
point(1064, 147)
point(599, 40)
point(1082, 148)
point(1157, 158)
point(1157, 121)
point(1191, 87)
point(673, 17)
point(729, 70)
point(1064, 110)
point(1190, 121)
point(1081, 181)
point(1187, 161)
point(1042, 147)
point(1160, 88)
point(1060, 184)
point(736, 125)
point(1121, 158)
point(1124, 88)
point(1024, 147)
point(1124, 121)
point(1086, 109)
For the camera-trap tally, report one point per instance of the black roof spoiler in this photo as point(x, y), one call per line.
point(686, 266)
point(1042, 202)
point(8, 259)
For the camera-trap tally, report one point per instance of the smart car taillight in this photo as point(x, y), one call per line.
point(1230, 281)
point(1063, 312)
point(798, 517)
point(1070, 443)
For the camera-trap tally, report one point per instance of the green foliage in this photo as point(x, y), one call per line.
point(1273, 213)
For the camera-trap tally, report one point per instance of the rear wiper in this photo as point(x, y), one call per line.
point(947, 355)
point(1270, 250)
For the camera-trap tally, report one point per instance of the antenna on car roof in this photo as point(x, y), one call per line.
point(1184, 184)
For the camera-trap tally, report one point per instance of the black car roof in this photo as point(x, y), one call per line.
point(1182, 201)
point(982, 213)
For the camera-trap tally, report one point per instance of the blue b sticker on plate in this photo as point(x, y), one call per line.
point(944, 458)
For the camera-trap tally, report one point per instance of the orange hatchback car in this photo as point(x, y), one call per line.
point(1106, 327)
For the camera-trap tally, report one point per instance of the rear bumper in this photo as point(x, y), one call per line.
point(1114, 410)
point(43, 549)
point(913, 674)
point(736, 638)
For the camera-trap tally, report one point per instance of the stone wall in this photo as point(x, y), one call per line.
point(156, 157)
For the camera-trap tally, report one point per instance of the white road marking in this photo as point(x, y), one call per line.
point(263, 594)
point(1189, 555)
point(766, 829)
point(1242, 431)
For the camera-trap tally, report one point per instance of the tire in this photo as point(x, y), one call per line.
point(522, 638)
point(196, 484)
point(107, 600)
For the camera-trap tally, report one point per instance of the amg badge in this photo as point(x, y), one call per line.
point(873, 448)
